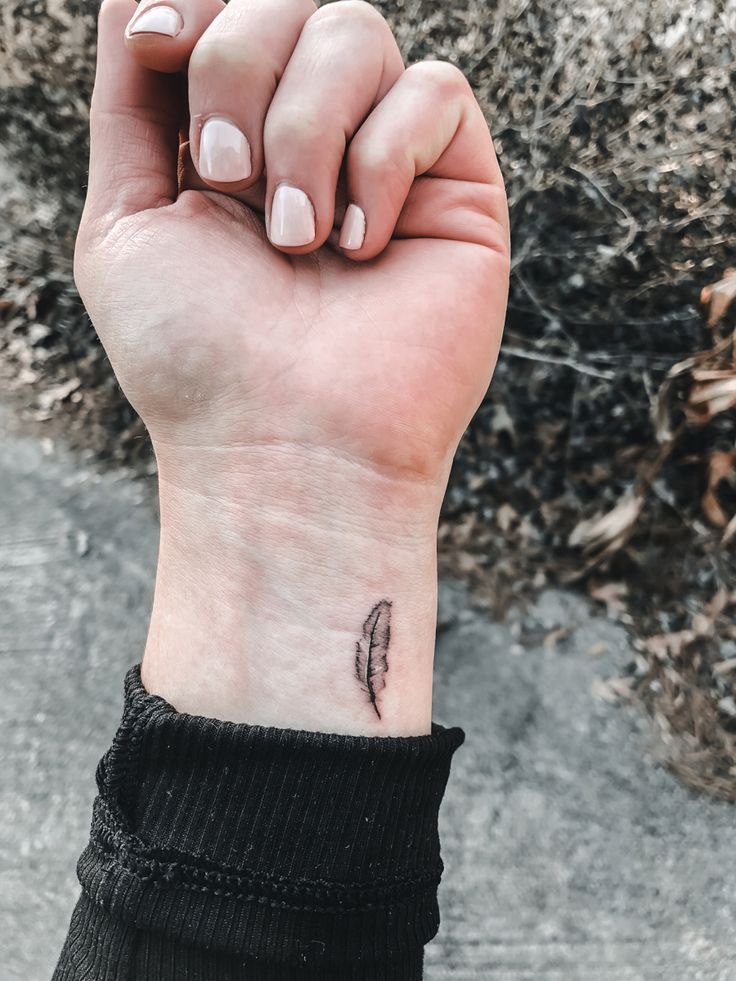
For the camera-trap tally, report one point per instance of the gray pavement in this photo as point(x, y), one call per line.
point(569, 854)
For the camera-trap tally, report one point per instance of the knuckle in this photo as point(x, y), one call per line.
point(351, 11)
point(443, 77)
point(220, 52)
point(371, 157)
point(292, 124)
point(379, 162)
point(206, 55)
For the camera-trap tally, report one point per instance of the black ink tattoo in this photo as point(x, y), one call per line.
point(371, 652)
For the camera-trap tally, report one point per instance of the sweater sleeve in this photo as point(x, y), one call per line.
point(225, 852)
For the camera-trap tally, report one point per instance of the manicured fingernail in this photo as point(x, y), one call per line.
point(292, 217)
point(352, 234)
point(157, 20)
point(224, 152)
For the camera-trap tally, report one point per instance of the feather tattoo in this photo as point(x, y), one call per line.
point(371, 660)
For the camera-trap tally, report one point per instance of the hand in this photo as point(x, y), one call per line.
point(305, 390)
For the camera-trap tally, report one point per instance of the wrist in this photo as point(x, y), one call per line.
point(271, 561)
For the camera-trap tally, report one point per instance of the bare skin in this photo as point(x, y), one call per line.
point(305, 392)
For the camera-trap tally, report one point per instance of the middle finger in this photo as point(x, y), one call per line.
point(344, 63)
point(234, 70)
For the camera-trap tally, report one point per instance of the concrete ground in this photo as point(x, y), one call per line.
point(570, 856)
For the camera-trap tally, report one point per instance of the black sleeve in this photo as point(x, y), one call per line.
point(224, 852)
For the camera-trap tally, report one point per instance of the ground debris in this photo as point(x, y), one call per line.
point(613, 690)
point(719, 296)
point(611, 416)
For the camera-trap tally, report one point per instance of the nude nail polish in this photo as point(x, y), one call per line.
point(352, 234)
point(292, 217)
point(156, 20)
point(224, 152)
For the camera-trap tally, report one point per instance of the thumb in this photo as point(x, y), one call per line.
point(134, 128)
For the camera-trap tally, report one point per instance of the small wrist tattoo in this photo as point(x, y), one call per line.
point(371, 652)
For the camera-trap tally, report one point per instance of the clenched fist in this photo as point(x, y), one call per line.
point(295, 251)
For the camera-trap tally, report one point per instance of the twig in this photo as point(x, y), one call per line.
point(552, 319)
point(583, 369)
point(631, 222)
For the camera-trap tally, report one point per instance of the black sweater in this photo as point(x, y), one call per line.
point(224, 852)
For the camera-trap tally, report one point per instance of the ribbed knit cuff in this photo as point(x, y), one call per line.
point(274, 846)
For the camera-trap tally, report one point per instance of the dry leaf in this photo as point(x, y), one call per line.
point(713, 392)
point(721, 466)
point(612, 690)
point(720, 602)
point(730, 531)
point(608, 531)
point(702, 624)
point(502, 421)
point(550, 641)
point(727, 705)
point(467, 562)
point(57, 393)
point(673, 645)
point(662, 405)
point(665, 646)
point(466, 528)
point(505, 516)
point(612, 595)
point(719, 297)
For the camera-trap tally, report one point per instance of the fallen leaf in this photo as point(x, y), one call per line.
point(466, 529)
point(730, 531)
point(721, 466)
point(505, 516)
point(612, 595)
point(57, 393)
point(727, 705)
point(550, 641)
point(608, 531)
point(612, 690)
point(702, 624)
point(502, 421)
point(664, 646)
point(719, 296)
point(720, 602)
point(467, 562)
point(713, 392)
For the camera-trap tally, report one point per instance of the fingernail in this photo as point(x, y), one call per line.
point(224, 152)
point(157, 20)
point(352, 234)
point(292, 217)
